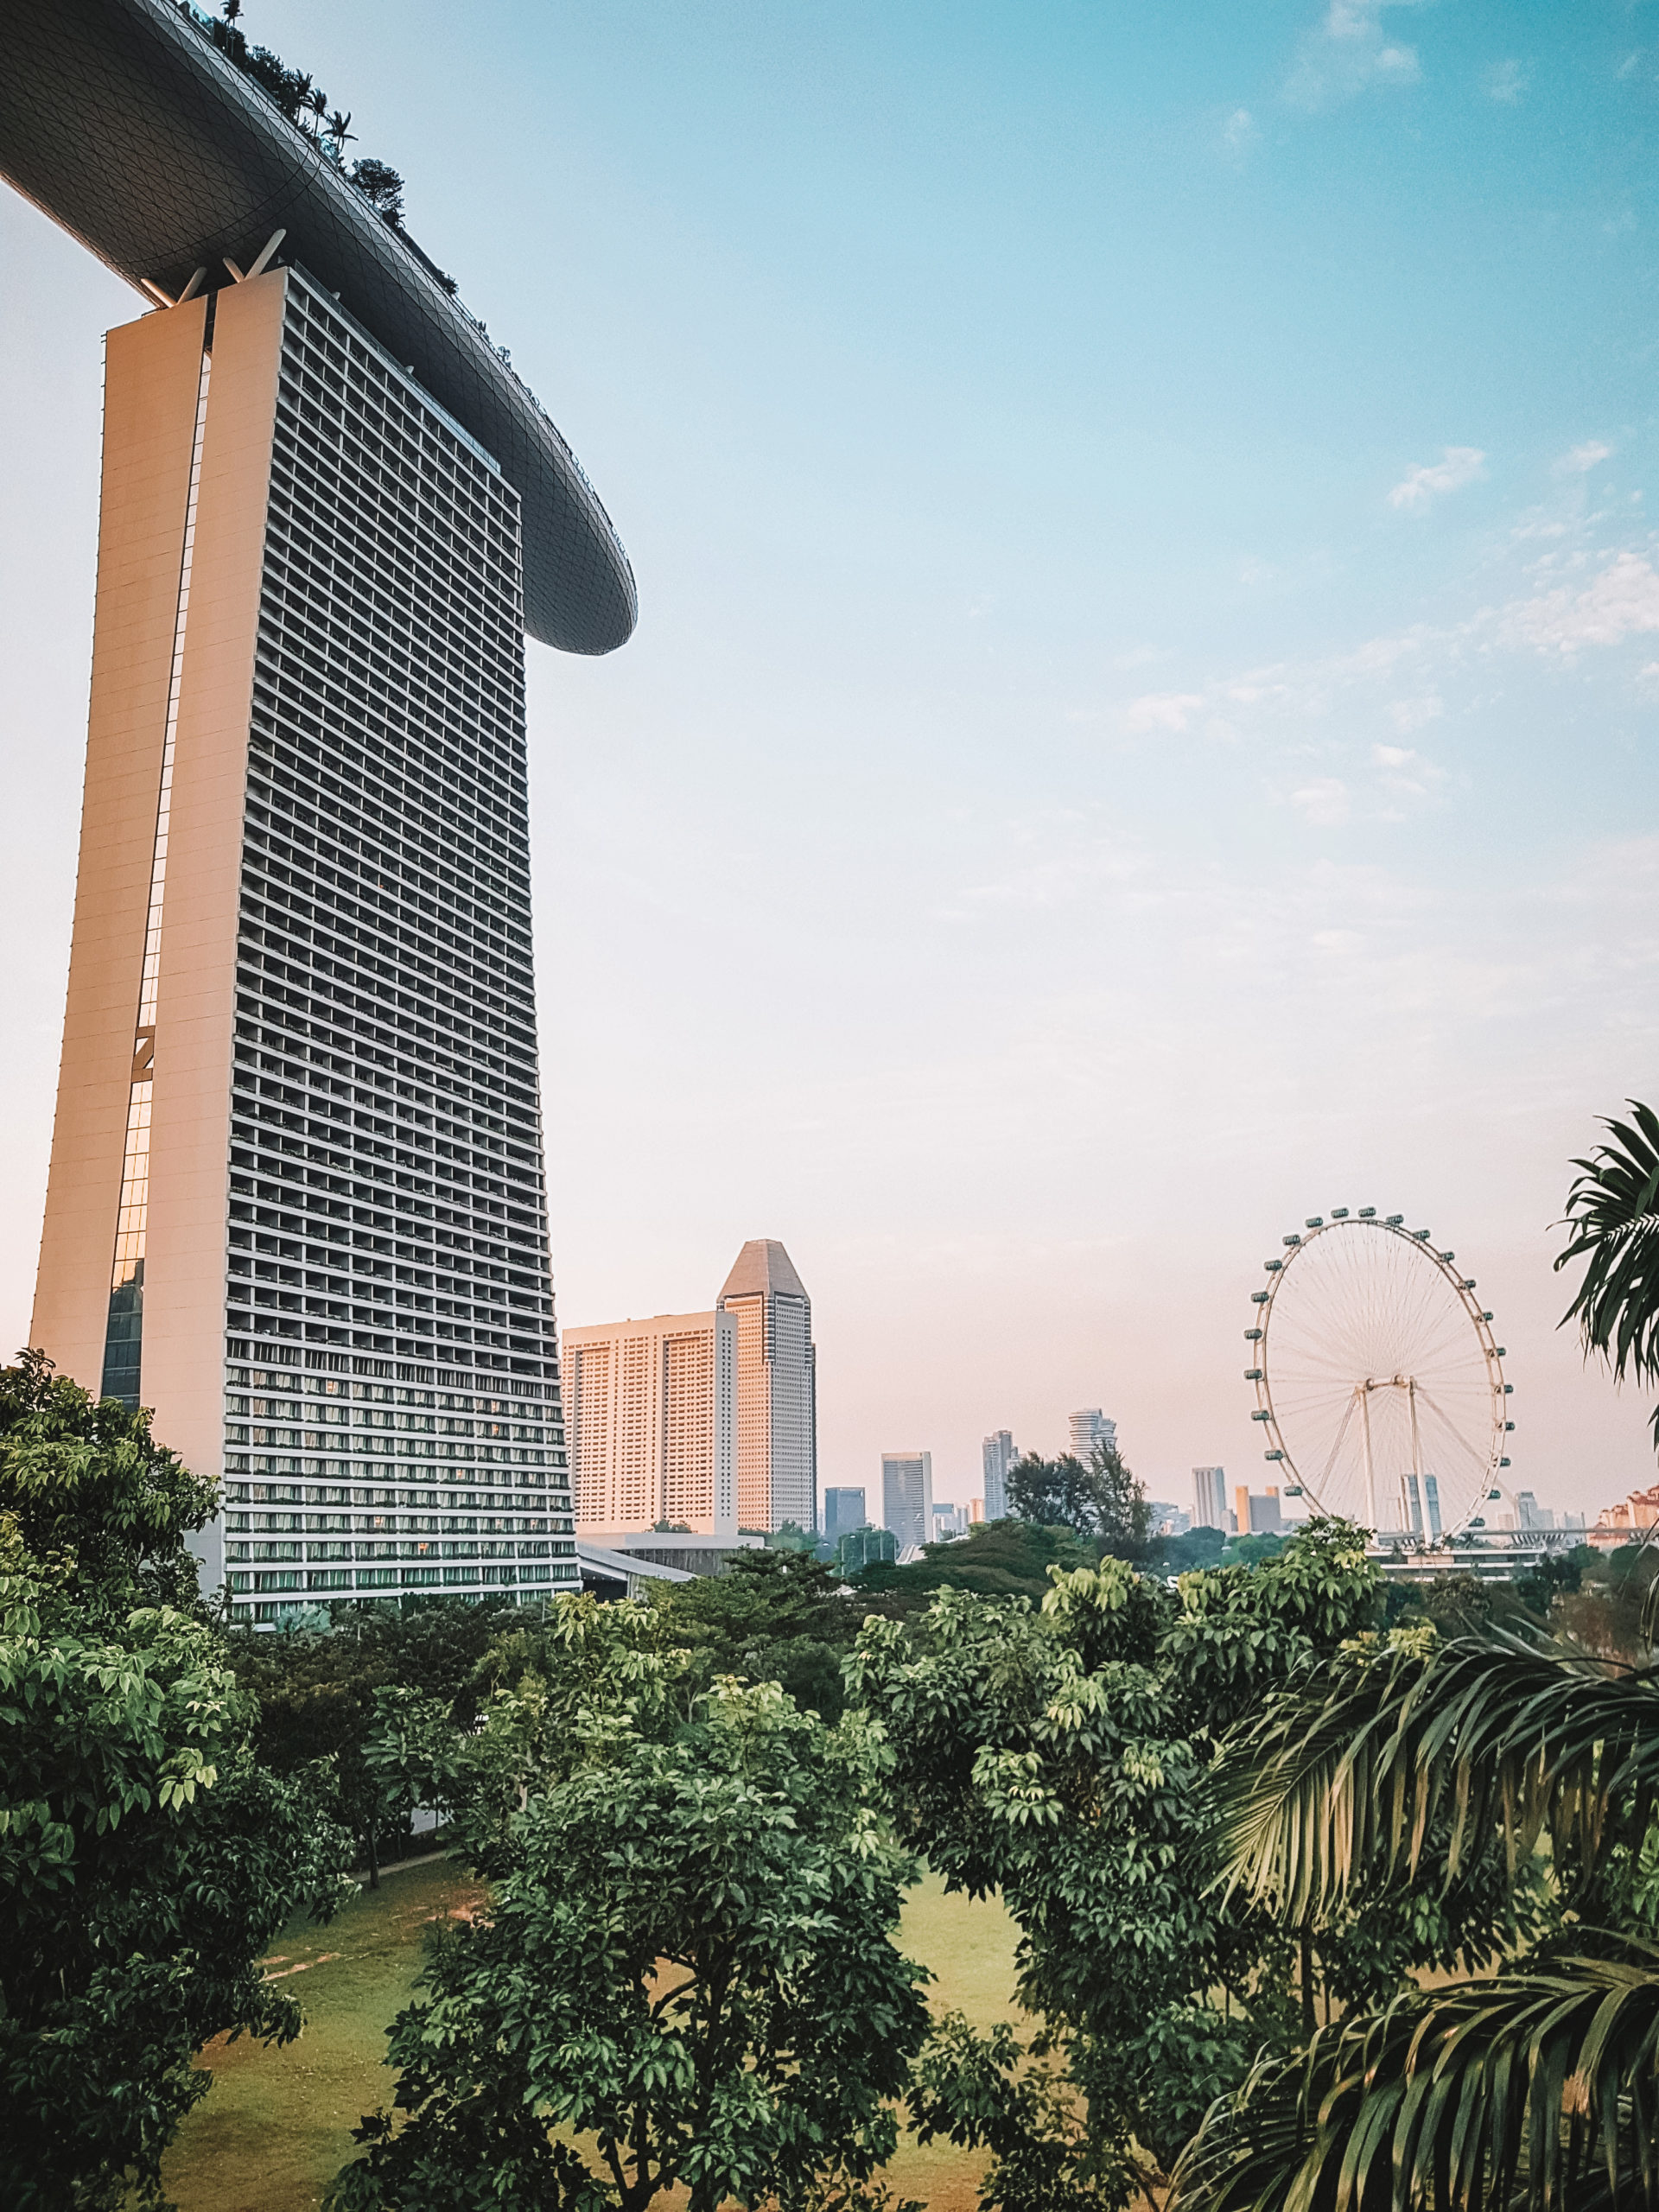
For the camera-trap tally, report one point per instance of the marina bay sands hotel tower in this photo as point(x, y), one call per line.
point(296, 1200)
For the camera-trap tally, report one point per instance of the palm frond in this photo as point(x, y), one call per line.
point(1524, 2093)
point(1347, 1777)
point(1613, 1211)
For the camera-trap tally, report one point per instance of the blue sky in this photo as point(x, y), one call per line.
point(1141, 727)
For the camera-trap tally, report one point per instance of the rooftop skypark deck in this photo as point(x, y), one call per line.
point(122, 122)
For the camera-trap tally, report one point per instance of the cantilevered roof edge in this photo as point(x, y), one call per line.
point(125, 124)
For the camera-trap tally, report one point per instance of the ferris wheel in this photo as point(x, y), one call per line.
point(1379, 1385)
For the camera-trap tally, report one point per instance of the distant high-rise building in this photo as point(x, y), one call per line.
point(1421, 1502)
point(976, 1512)
point(907, 1496)
point(843, 1510)
point(1209, 1508)
point(777, 1450)
point(650, 1406)
point(998, 1454)
point(1165, 1518)
point(1090, 1427)
point(865, 1547)
point(947, 1520)
point(1257, 1515)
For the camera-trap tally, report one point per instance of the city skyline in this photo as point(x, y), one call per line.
point(1183, 739)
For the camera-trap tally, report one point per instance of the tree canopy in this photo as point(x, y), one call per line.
point(1062, 1757)
point(996, 1559)
point(1099, 1498)
point(147, 1859)
point(687, 1956)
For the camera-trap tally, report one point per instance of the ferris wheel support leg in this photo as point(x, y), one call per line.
point(1364, 1397)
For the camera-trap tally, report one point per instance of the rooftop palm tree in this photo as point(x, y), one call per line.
point(1536, 2088)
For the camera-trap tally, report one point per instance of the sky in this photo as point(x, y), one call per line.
point(1141, 727)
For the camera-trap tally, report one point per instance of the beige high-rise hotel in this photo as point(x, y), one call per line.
point(651, 1406)
point(296, 1202)
point(706, 1419)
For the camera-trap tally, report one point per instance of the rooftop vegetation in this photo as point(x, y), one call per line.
point(298, 96)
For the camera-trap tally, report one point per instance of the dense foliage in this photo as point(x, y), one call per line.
point(323, 1692)
point(1100, 1498)
point(687, 1956)
point(1394, 1771)
point(778, 1615)
point(996, 1559)
point(1061, 1758)
point(147, 1859)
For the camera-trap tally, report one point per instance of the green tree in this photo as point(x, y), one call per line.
point(1612, 1212)
point(687, 1959)
point(1198, 1548)
point(88, 1489)
point(317, 1691)
point(1101, 1499)
point(777, 1615)
point(147, 1859)
point(996, 1558)
point(1389, 1774)
point(1060, 1756)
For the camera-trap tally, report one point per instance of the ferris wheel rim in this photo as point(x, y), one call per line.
point(1494, 1459)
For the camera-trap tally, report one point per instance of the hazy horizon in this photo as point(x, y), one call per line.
point(1140, 730)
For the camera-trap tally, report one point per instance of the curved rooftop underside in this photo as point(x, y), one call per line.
point(123, 124)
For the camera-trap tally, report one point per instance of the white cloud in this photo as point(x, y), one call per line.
point(1408, 714)
point(1162, 710)
point(1578, 460)
point(1506, 81)
point(1425, 481)
point(1346, 53)
point(1405, 775)
point(1622, 601)
point(1238, 133)
point(1324, 803)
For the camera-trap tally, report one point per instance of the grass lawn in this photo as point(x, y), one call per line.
point(275, 2126)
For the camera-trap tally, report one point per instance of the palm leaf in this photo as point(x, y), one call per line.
point(1613, 1211)
point(1534, 2091)
point(1325, 1789)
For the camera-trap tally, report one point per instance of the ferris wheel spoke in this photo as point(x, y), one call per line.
point(1463, 1442)
point(1337, 1443)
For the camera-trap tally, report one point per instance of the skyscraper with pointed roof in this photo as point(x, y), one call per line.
point(776, 1389)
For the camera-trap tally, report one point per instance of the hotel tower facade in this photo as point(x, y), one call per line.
point(296, 1202)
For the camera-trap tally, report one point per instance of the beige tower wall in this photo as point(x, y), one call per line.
point(151, 369)
point(753, 1444)
point(151, 382)
point(650, 1405)
point(182, 1375)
